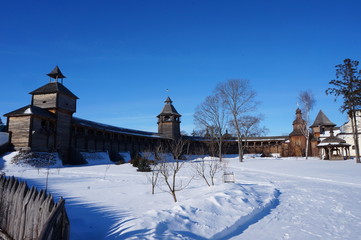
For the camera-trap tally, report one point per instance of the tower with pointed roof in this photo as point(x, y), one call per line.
point(45, 124)
point(321, 128)
point(297, 138)
point(321, 124)
point(169, 121)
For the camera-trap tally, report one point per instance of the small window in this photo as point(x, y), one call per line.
point(44, 101)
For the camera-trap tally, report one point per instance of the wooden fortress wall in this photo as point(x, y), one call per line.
point(87, 139)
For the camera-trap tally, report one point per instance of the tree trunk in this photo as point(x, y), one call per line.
point(240, 150)
point(174, 196)
point(307, 143)
point(355, 135)
point(220, 149)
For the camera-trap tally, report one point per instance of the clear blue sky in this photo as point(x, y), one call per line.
point(121, 56)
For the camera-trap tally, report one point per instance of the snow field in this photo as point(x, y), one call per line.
point(272, 198)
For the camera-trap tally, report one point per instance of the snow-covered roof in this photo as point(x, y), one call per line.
point(250, 139)
point(110, 128)
point(333, 141)
point(333, 144)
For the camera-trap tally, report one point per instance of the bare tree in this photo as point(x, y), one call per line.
point(169, 169)
point(207, 169)
point(307, 102)
point(250, 127)
point(347, 85)
point(153, 158)
point(179, 147)
point(214, 167)
point(211, 116)
point(238, 98)
point(200, 168)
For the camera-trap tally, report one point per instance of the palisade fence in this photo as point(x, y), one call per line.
point(29, 214)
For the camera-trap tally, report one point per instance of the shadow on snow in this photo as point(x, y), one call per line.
point(245, 222)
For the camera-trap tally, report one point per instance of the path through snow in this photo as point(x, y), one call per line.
point(310, 207)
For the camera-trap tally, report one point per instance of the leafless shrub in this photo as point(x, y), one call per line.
point(170, 168)
point(207, 169)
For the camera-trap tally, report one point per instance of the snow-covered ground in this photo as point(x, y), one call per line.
point(272, 198)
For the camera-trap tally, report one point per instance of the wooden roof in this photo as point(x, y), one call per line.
point(169, 109)
point(105, 127)
point(322, 120)
point(56, 73)
point(30, 110)
point(53, 87)
point(333, 141)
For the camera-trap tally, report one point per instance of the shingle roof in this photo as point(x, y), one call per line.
point(322, 120)
point(332, 140)
point(53, 87)
point(30, 110)
point(105, 127)
point(169, 109)
point(56, 73)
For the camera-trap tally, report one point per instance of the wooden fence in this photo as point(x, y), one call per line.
point(29, 214)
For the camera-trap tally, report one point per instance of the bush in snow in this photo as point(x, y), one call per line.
point(135, 161)
point(143, 165)
point(34, 159)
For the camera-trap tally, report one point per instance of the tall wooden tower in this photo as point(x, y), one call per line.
point(297, 137)
point(59, 100)
point(169, 121)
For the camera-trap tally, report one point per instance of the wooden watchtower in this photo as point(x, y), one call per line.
point(169, 121)
point(297, 136)
point(45, 125)
point(56, 98)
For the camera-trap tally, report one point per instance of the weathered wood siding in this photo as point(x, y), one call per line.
point(43, 135)
point(63, 134)
point(87, 139)
point(20, 131)
point(45, 100)
point(66, 102)
point(169, 129)
point(29, 214)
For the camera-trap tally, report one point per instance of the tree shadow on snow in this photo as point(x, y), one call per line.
point(88, 221)
point(93, 222)
point(2, 162)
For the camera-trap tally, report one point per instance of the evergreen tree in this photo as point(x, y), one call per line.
point(348, 85)
point(2, 126)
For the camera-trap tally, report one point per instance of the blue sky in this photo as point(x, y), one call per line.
point(121, 56)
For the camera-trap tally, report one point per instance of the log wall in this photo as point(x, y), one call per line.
point(45, 100)
point(19, 127)
point(63, 134)
point(66, 103)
